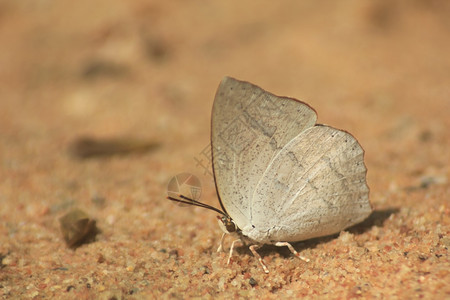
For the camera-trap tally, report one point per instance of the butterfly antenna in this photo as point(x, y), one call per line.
point(186, 200)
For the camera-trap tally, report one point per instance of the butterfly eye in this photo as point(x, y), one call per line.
point(228, 223)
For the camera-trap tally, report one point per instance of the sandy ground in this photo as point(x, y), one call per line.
point(148, 71)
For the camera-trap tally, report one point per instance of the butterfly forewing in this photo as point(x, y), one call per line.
point(249, 128)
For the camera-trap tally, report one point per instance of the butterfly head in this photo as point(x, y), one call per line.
point(227, 224)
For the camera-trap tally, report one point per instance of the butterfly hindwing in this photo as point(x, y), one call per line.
point(315, 186)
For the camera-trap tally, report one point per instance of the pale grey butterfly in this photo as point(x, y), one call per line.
point(280, 177)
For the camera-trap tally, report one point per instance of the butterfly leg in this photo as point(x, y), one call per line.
point(221, 243)
point(282, 244)
point(253, 248)
point(231, 250)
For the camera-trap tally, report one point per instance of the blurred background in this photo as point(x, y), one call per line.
point(146, 72)
point(149, 69)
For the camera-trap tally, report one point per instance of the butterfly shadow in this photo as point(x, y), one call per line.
point(376, 218)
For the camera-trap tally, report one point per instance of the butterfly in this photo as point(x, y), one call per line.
point(279, 176)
